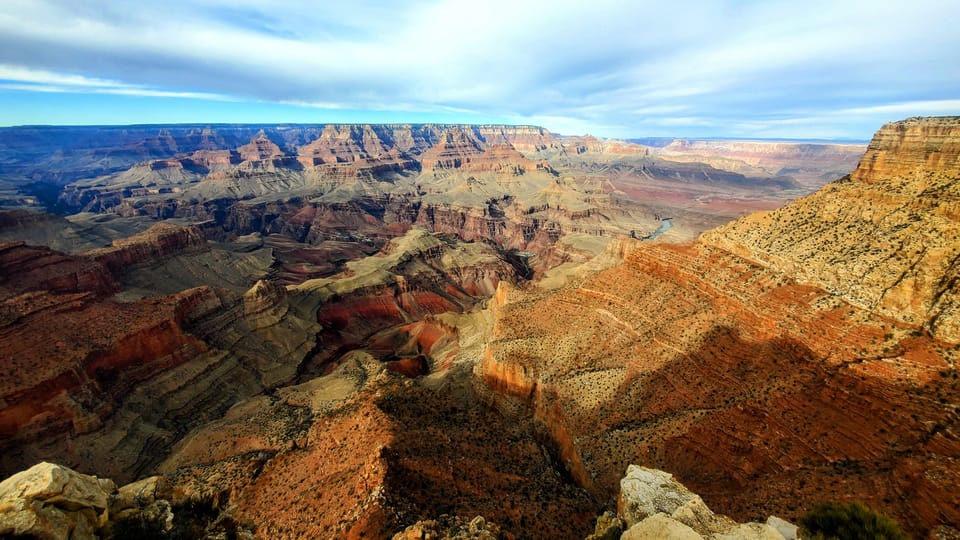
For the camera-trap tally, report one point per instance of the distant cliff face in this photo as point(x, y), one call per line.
point(916, 146)
point(808, 163)
point(885, 238)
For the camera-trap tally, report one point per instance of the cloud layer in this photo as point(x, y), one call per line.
point(613, 68)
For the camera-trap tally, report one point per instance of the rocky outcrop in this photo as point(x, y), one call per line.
point(460, 149)
point(652, 504)
point(911, 148)
point(52, 502)
point(356, 144)
point(260, 148)
point(151, 246)
point(212, 160)
point(26, 268)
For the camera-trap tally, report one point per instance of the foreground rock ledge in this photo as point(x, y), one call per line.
point(49, 501)
point(654, 505)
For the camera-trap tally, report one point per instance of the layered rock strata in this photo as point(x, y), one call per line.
point(160, 241)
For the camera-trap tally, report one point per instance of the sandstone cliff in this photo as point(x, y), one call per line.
point(27, 268)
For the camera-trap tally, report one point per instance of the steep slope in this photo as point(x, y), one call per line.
point(754, 379)
point(884, 238)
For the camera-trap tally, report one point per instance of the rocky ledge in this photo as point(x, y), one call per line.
point(653, 505)
point(52, 502)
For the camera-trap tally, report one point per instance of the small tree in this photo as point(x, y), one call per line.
point(832, 521)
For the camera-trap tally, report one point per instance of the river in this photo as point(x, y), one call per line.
point(664, 227)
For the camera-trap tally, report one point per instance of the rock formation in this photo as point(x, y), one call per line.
point(52, 502)
point(161, 241)
point(652, 504)
point(884, 238)
point(48, 501)
point(26, 268)
point(260, 148)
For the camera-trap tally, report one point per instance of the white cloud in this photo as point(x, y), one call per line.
point(39, 76)
point(913, 108)
point(618, 66)
point(32, 80)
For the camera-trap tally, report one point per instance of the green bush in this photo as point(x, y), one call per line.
point(832, 521)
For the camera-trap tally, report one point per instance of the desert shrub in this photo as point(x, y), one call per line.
point(854, 521)
point(139, 527)
point(191, 519)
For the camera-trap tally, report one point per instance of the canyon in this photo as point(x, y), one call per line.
point(346, 330)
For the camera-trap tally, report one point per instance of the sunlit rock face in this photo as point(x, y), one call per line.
point(884, 238)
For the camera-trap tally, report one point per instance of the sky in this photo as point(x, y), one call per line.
point(834, 69)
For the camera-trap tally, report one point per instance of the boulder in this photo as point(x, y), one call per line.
point(660, 527)
point(609, 527)
point(49, 501)
point(645, 492)
point(785, 528)
point(141, 493)
point(654, 505)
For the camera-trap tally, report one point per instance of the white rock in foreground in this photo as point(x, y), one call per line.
point(654, 505)
point(53, 502)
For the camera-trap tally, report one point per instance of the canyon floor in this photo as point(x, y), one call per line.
point(339, 331)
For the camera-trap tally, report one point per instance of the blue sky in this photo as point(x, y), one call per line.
point(737, 68)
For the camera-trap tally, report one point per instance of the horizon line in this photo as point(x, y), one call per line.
point(630, 139)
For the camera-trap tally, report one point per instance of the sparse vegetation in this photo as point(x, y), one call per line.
point(854, 521)
point(191, 520)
